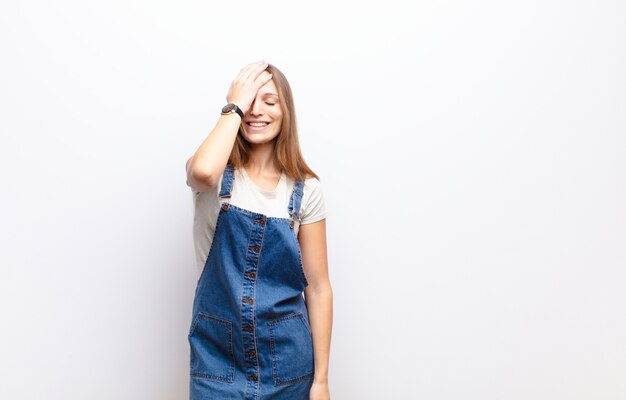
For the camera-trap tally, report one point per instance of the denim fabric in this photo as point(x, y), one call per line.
point(250, 336)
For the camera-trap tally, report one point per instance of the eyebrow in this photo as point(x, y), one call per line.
point(270, 94)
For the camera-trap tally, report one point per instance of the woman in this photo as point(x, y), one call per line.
point(260, 240)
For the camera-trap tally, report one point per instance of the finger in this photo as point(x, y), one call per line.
point(245, 71)
point(259, 78)
point(254, 71)
point(263, 78)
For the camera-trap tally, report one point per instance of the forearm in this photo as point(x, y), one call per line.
point(320, 308)
point(209, 161)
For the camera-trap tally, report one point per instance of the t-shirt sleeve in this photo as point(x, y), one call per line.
point(313, 205)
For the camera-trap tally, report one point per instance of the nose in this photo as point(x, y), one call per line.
point(256, 108)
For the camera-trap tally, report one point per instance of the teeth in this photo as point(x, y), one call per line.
point(257, 123)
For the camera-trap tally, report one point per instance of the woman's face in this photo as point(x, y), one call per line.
point(263, 120)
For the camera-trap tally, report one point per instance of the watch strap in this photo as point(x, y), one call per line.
point(230, 108)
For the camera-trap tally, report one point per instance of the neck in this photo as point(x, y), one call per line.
point(261, 158)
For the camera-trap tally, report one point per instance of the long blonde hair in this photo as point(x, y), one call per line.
point(287, 154)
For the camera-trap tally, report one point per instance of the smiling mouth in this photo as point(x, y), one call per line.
point(257, 124)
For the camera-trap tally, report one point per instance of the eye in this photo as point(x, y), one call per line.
point(270, 104)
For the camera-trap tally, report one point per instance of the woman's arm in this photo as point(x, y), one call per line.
point(206, 166)
point(318, 294)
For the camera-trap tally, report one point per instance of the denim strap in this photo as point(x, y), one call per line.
point(295, 200)
point(227, 181)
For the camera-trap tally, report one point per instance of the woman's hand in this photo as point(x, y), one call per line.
point(319, 391)
point(244, 88)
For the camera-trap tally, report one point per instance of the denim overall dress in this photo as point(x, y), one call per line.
point(250, 336)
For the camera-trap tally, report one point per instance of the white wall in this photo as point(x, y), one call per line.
point(473, 161)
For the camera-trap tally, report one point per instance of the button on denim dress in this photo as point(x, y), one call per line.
point(250, 336)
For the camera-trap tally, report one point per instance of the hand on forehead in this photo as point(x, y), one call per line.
point(264, 75)
point(269, 86)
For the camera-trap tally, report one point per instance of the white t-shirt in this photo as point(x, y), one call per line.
point(247, 195)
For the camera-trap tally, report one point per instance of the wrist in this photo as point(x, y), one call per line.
point(239, 103)
point(232, 108)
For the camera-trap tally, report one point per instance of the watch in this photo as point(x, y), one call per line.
point(232, 108)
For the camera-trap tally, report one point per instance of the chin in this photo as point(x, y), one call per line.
point(259, 139)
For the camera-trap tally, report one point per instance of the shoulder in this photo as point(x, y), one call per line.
point(313, 203)
point(312, 182)
point(312, 187)
point(204, 198)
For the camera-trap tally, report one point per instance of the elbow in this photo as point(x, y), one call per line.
point(200, 179)
point(204, 177)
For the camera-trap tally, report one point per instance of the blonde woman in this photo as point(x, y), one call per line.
point(260, 242)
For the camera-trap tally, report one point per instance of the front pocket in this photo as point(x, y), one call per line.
point(292, 349)
point(211, 343)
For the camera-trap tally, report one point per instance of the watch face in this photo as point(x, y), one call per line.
point(228, 108)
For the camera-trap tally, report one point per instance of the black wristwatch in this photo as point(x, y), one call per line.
point(231, 108)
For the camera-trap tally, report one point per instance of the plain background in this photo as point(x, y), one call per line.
point(473, 159)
